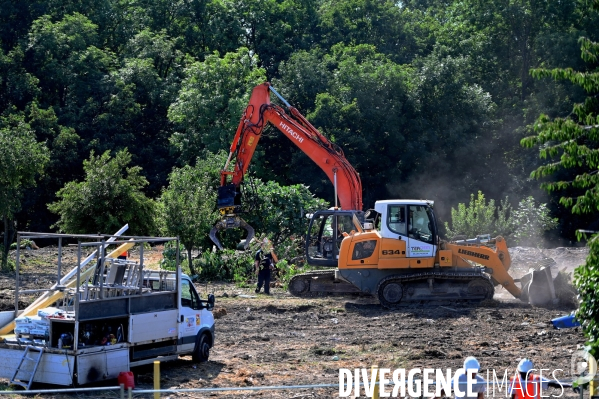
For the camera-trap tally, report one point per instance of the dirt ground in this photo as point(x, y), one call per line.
point(282, 340)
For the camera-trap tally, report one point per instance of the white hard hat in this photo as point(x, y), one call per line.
point(525, 365)
point(471, 364)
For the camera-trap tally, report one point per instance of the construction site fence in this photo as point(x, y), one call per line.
point(128, 393)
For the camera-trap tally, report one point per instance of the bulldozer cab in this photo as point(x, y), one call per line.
point(327, 230)
point(412, 221)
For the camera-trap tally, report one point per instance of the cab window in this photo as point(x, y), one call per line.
point(396, 219)
point(326, 234)
point(321, 238)
point(189, 297)
point(420, 223)
point(344, 227)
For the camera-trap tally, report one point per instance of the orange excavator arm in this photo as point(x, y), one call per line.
point(327, 155)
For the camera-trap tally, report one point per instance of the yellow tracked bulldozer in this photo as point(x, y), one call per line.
point(404, 260)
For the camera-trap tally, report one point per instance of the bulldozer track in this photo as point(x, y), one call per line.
point(481, 284)
point(300, 285)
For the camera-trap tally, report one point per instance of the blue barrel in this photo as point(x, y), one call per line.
point(567, 321)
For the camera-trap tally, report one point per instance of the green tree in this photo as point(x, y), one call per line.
point(200, 27)
point(158, 48)
point(303, 76)
point(66, 57)
point(22, 159)
point(275, 29)
point(479, 217)
point(586, 278)
point(135, 112)
point(366, 109)
point(188, 203)
point(502, 37)
point(17, 86)
point(394, 122)
point(110, 196)
point(503, 40)
point(213, 96)
point(531, 221)
point(571, 144)
point(281, 211)
point(572, 141)
point(64, 165)
point(453, 123)
point(111, 99)
point(382, 24)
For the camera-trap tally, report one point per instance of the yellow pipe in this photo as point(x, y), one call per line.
point(156, 379)
point(594, 385)
point(375, 390)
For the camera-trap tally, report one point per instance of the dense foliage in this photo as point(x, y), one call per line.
point(427, 99)
point(530, 221)
point(283, 209)
point(587, 283)
point(22, 159)
point(523, 225)
point(571, 145)
point(479, 217)
point(110, 196)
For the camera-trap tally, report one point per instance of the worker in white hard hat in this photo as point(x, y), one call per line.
point(460, 382)
point(527, 385)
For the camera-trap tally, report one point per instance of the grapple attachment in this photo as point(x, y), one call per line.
point(231, 222)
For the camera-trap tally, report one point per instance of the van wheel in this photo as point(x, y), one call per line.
point(202, 350)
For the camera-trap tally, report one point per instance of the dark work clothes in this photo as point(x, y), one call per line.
point(263, 278)
point(264, 259)
point(265, 263)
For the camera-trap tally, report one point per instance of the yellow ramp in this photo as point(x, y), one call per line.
point(49, 297)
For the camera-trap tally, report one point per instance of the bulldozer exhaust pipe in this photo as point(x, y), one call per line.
point(231, 222)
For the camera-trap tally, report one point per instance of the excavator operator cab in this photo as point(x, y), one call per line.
point(327, 230)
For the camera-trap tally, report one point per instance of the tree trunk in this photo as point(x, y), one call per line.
point(191, 269)
point(6, 246)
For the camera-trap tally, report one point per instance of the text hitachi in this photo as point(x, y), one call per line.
point(291, 132)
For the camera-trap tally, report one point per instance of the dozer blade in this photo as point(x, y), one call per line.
point(538, 287)
point(231, 222)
